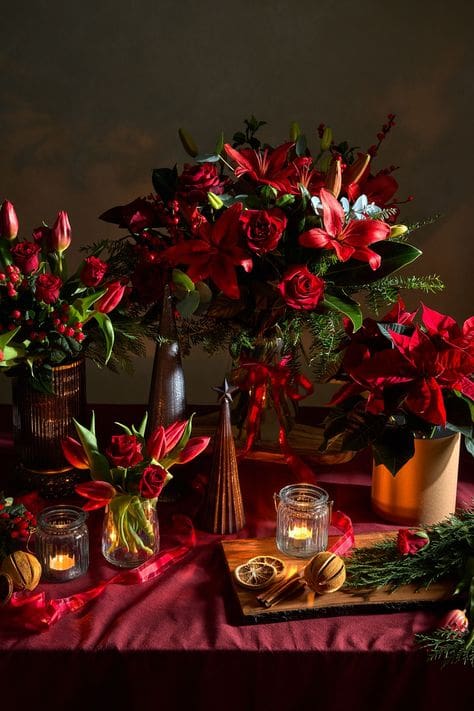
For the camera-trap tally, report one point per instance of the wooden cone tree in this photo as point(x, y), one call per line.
point(223, 511)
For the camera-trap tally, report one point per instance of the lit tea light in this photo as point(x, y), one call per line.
point(62, 561)
point(300, 533)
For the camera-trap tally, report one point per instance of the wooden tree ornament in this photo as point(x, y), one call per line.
point(223, 511)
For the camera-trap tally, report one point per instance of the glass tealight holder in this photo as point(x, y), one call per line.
point(303, 519)
point(62, 543)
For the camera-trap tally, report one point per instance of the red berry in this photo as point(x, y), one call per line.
point(11, 326)
point(29, 322)
point(2, 276)
point(15, 534)
point(79, 337)
point(69, 331)
point(42, 335)
point(61, 328)
point(79, 326)
point(56, 322)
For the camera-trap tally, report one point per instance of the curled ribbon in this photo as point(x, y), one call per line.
point(345, 542)
point(36, 613)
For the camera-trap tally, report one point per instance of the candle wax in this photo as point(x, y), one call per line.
point(300, 533)
point(62, 561)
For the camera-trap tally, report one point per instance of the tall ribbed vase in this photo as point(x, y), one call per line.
point(167, 400)
point(223, 510)
point(41, 420)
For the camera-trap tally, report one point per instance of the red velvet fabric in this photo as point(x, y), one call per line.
point(178, 642)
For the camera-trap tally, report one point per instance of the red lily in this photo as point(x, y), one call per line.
point(74, 453)
point(214, 253)
point(99, 493)
point(351, 240)
point(267, 166)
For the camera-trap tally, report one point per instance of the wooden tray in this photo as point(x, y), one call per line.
point(308, 604)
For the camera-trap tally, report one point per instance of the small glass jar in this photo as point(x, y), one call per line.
point(62, 543)
point(303, 518)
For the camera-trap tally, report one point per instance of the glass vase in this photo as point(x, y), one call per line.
point(130, 532)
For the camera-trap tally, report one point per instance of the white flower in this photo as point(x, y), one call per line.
point(360, 209)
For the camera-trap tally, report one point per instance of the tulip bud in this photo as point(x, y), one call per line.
point(215, 201)
point(456, 620)
point(111, 299)
point(398, 231)
point(326, 139)
point(8, 221)
point(295, 131)
point(60, 237)
point(188, 142)
point(333, 181)
point(354, 172)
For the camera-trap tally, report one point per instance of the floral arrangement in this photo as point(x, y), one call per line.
point(406, 375)
point(16, 525)
point(129, 475)
point(421, 557)
point(46, 317)
point(263, 243)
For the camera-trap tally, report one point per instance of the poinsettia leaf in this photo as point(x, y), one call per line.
point(338, 300)
point(395, 255)
point(182, 280)
point(394, 448)
point(165, 181)
point(187, 306)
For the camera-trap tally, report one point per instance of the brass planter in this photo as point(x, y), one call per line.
point(41, 421)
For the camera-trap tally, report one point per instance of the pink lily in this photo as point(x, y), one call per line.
point(351, 240)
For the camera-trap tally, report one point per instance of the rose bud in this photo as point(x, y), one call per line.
point(455, 620)
point(8, 221)
point(25, 256)
point(111, 299)
point(93, 271)
point(410, 540)
point(124, 451)
point(60, 238)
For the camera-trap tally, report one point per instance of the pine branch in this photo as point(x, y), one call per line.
point(384, 292)
point(446, 646)
point(327, 334)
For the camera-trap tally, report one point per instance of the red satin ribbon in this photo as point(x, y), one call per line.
point(345, 542)
point(36, 613)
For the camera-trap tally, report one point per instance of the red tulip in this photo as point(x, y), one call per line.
point(60, 237)
point(173, 434)
point(411, 540)
point(99, 493)
point(455, 620)
point(8, 221)
point(111, 299)
point(156, 444)
point(75, 453)
point(194, 447)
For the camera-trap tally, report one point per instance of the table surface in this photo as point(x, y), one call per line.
point(183, 634)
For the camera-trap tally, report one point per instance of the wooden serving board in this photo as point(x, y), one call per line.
point(308, 604)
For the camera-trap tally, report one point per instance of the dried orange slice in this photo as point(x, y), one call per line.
point(270, 560)
point(255, 576)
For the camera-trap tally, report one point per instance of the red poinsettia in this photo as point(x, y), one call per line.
point(214, 252)
point(351, 240)
point(446, 328)
point(264, 166)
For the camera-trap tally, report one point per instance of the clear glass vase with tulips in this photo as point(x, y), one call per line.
point(127, 479)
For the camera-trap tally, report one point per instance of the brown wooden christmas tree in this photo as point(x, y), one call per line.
point(223, 511)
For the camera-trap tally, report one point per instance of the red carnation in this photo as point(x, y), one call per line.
point(124, 451)
point(301, 289)
point(152, 481)
point(93, 271)
point(25, 256)
point(48, 287)
point(410, 540)
point(263, 228)
point(197, 180)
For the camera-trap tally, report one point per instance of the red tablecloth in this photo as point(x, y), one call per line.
point(178, 642)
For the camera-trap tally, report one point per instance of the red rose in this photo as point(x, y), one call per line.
point(152, 481)
point(301, 289)
point(25, 256)
point(124, 451)
point(111, 299)
point(48, 287)
point(410, 540)
point(263, 228)
point(197, 180)
point(93, 271)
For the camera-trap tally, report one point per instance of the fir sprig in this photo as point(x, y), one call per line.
point(446, 646)
point(451, 543)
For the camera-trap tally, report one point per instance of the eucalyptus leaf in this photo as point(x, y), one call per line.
point(187, 306)
point(182, 280)
point(207, 158)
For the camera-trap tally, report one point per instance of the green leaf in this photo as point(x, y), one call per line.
point(164, 182)
point(83, 305)
point(286, 199)
point(123, 427)
point(188, 142)
point(99, 466)
point(187, 306)
point(7, 337)
point(106, 326)
point(395, 255)
point(142, 428)
point(338, 300)
point(394, 448)
point(5, 253)
point(207, 158)
point(220, 143)
point(182, 280)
